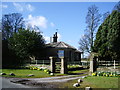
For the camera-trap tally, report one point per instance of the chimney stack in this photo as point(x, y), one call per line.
point(55, 37)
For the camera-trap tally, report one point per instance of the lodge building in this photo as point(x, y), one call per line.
point(62, 49)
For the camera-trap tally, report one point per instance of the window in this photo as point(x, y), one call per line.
point(61, 53)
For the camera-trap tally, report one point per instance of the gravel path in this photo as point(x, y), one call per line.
point(7, 84)
point(48, 82)
point(56, 79)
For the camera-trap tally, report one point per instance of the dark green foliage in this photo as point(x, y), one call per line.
point(18, 49)
point(9, 59)
point(105, 15)
point(18, 44)
point(0, 48)
point(10, 24)
point(107, 42)
point(26, 44)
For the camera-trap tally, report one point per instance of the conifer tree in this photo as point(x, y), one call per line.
point(107, 42)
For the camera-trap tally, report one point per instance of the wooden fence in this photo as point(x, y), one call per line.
point(82, 63)
point(108, 63)
point(72, 62)
point(41, 62)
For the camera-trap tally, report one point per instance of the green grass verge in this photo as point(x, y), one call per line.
point(78, 71)
point(22, 73)
point(102, 82)
point(94, 82)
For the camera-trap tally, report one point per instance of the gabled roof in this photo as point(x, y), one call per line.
point(60, 45)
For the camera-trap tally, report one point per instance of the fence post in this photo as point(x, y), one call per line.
point(114, 64)
point(36, 62)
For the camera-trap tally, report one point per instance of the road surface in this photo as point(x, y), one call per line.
point(5, 83)
point(36, 82)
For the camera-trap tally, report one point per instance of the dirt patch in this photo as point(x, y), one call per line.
point(35, 84)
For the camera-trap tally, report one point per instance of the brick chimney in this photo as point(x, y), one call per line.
point(55, 37)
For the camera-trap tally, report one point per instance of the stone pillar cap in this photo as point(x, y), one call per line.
point(50, 57)
point(61, 57)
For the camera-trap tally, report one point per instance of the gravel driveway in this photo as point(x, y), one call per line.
point(48, 82)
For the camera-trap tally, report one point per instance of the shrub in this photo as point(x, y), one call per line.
point(94, 74)
point(39, 68)
point(106, 74)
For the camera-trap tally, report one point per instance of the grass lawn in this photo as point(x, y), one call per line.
point(78, 71)
point(94, 82)
point(102, 82)
point(22, 73)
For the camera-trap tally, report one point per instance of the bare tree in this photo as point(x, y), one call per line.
point(92, 21)
point(105, 15)
point(11, 23)
point(0, 26)
point(84, 44)
point(117, 7)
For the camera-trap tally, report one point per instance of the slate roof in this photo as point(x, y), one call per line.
point(61, 45)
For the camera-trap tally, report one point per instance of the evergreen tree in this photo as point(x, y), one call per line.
point(107, 42)
point(26, 43)
point(21, 46)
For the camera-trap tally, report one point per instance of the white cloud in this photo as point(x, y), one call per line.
point(29, 7)
point(18, 6)
point(52, 24)
point(4, 6)
point(23, 7)
point(47, 39)
point(59, 36)
point(39, 21)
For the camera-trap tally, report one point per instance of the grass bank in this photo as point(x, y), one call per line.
point(102, 82)
point(23, 73)
point(94, 82)
point(75, 72)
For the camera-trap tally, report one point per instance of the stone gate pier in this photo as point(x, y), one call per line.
point(52, 64)
point(63, 70)
point(93, 62)
point(63, 66)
